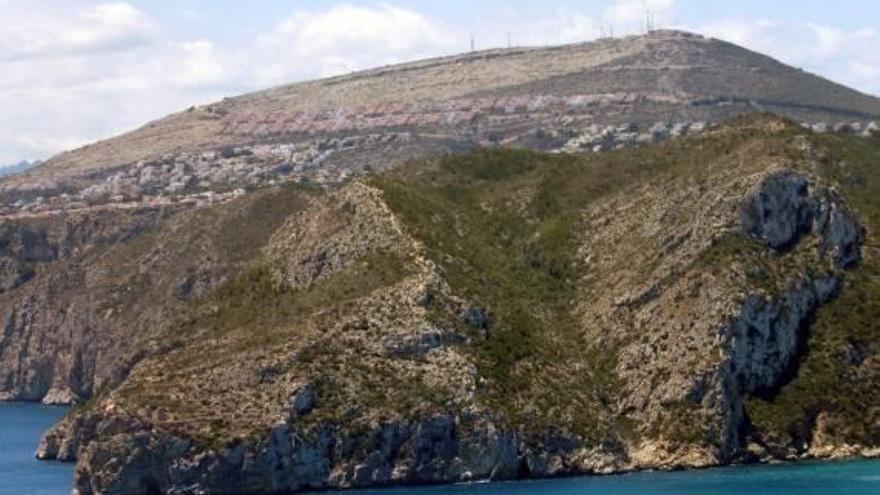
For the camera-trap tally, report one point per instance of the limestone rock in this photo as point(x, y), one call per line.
point(780, 211)
point(304, 400)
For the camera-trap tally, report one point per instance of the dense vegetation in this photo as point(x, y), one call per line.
point(505, 226)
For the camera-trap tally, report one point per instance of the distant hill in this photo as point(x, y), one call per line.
point(17, 168)
point(661, 76)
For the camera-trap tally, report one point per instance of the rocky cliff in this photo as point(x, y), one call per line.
point(491, 315)
point(102, 283)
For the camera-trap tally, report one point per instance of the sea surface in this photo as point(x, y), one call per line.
point(20, 474)
point(803, 478)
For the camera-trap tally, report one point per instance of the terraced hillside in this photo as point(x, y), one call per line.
point(590, 96)
point(491, 315)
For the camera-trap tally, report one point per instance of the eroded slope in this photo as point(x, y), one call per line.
point(508, 314)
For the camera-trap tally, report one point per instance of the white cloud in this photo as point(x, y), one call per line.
point(78, 75)
point(865, 71)
point(533, 27)
point(345, 38)
point(631, 15)
point(37, 31)
point(196, 64)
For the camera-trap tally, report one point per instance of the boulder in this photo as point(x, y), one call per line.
point(304, 400)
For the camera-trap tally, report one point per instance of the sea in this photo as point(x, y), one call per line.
point(20, 474)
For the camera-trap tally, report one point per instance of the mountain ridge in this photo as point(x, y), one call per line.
point(200, 123)
point(20, 167)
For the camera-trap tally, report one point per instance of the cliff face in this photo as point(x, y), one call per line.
point(106, 283)
point(493, 315)
point(46, 349)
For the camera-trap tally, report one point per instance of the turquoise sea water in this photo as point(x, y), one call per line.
point(805, 478)
point(22, 424)
point(20, 474)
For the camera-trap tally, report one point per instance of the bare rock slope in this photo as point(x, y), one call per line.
point(507, 314)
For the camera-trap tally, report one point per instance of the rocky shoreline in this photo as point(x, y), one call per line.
point(398, 454)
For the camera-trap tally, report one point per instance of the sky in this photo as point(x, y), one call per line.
point(75, 71)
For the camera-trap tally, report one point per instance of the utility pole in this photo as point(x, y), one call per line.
point(649, 17)
point(473, 45)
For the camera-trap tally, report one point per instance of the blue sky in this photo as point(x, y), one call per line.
point(80, 70)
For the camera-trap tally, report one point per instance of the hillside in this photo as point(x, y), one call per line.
point(493, 315)
point(601, 94)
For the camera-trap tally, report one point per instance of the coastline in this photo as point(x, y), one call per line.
point(150, 456)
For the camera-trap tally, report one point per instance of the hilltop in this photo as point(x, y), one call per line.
point(589, 95)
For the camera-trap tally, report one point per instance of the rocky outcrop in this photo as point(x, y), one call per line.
point(783, 209)
point(26, 246)
point(436, 449)
point(87, 316)
point(762, 347)
point(780, 212)
point(344, 227)
point(46, 351)
point(765, 341)
point(840, 231)
point(64, 440)
point(740, 271)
